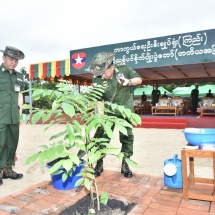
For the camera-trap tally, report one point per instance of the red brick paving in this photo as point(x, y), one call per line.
point(149, 192)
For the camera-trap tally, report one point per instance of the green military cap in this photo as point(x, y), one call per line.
point(13, 52)
point(101, 62)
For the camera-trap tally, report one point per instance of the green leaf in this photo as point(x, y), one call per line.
point(57, 135)
point(92, 151)
point(77, 126)
point(75, 159)
point(58, 94)
point(82, 147)
point(110, 151)
point(24, 118)
point(80, 174)
point(121, 129)
point(89, 175)
point(47, 92)
point(37, 92)
point(108, 130)
point(46, 117)
point(113, 106)
point(91, 126)
point(42, 157)
point(50, 153)
point(90, 169)
point(79, 182)
point(120, 155)
point(67, 164)
point(104, 198)
point(59, 149)
point(32, 158)
point(37, 116)
point(55, 167)
point(36, 97)
point(131, 163)
point(26, 106)
point(70, 132)
point(135, 119)
point(68, 109)
point(44, 146)
point(64, 176)
point(87, 183)
point(90, 145)
point(95, 157)
point(57, 112)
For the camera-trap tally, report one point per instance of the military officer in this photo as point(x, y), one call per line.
point(11, 83)
point(108, 75)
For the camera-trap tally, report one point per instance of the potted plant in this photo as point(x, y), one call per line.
point(78, 113)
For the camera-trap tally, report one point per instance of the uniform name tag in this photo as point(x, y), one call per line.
point(17, 88)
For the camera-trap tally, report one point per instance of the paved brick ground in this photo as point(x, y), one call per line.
point(149, 192)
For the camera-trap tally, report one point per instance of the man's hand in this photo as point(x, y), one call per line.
point(123, 81)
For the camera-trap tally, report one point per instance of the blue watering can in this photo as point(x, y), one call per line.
point(173, 172)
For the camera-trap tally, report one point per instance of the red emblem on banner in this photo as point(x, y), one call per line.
point(79, 60)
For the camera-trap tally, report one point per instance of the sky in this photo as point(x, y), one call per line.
point(46, 30)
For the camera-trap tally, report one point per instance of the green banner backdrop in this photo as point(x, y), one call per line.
point(186, 48)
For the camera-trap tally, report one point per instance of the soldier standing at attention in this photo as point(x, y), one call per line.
point(11, 83)
point(156, 93)
point(195, 98)
point(106, 74)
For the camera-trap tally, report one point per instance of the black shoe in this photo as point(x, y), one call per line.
point(125, 169)
point(16, 176)
point(99, 168)
point(1, 182)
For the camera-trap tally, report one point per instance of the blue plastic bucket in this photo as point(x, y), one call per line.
point(70, 181)
point(173, 172)
point(199, 136)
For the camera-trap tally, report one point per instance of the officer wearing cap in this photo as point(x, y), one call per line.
point(11, 83)
point(108, 75)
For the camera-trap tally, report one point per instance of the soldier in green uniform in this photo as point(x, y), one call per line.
point(11, 83)
point(108, 75)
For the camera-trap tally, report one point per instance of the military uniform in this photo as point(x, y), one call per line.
point(11, 83)
point(124, 97)
point(101, 63)
point(10, 86)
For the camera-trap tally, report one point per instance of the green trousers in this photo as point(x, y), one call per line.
point(9, 136)
point(126, 141)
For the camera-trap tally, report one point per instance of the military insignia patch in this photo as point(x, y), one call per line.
point(105, 84)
